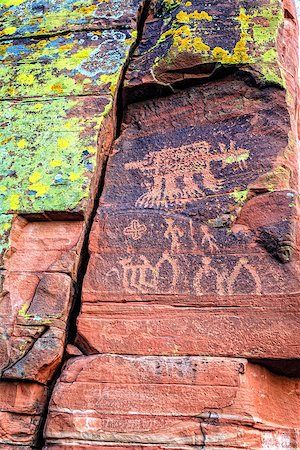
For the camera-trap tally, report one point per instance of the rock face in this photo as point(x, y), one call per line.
point(61, 63)
point(184, 131)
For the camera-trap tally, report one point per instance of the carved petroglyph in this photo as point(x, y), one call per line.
point(225, 281)
point(135, 230)
point(138, 275)
point(172, 171)
point(208, 239)
point(235, 155)
point(206, 270)
point(243, 264)
point(173, 233)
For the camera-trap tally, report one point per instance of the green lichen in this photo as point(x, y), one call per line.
point(48, 155)
point(61, 66)
point(240, 197)
point(170, 5)
point(51, 108)
point(193, 32)
point(5, 227)
point(23, 18)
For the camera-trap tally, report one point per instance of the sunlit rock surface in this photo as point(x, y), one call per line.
point(61, 63)
point(178, 120)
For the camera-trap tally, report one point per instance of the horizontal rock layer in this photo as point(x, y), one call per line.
point(192, 280)
point(171, 402)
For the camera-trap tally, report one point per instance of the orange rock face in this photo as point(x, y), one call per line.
point(185, 281)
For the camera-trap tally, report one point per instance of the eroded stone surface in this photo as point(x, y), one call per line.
point(179, 402)
point(60, 65)
point(200, 213)
point(187, 40)
point(194, 250)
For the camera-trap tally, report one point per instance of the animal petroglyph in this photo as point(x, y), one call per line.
point(135, 230)
point(224, 281)
point(171, 172)
point(138, 275)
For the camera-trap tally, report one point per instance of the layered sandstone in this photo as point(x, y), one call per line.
point(188, 330)
point(194, 264)
point(61, 64)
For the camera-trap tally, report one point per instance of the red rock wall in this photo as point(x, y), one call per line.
point(188, 330)
point(193, 279)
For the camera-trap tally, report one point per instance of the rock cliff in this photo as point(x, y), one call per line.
point(149, 225)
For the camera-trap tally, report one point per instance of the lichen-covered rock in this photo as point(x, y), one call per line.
point(194, 250)
point(192, 282)
point(186, 40)
point(60, 65)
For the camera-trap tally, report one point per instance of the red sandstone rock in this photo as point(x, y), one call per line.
point(21, 407)
point(34, 313)
point(186, 222)
point(147, 329)
point(37, 302)
point(194, 254)
point(175, 401)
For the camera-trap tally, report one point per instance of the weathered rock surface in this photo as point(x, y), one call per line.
point(194, 252)
point(179, 402)
point(60, 64)
point(193, 281)
point(182, 223)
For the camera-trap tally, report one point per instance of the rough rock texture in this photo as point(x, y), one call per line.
point(193, 279)
point(188, 330)
point(60, 65)
point(176, 401)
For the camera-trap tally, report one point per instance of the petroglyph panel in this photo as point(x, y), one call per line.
point(135, 276)
point(205, 158)
point(170, 220)
point(171, 172)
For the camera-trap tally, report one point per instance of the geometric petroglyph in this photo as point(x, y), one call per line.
point(135, 230)
point(224, 282)
point(171, 172)
point(138, 275)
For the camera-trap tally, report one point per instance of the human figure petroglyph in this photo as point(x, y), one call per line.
point(208, 239)
point(167, 167)
point(225, 280)
point(174, 233)
point(140, 275)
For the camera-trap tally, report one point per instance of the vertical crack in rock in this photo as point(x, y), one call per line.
point(118, 108)
point(184, 279)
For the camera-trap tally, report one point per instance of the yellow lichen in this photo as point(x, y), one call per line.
point(74, 176)
point(14, 200)
point(22, 144)
point(35, 177)
point(63, 143)
point(55, 163)
point(40, 188)
point(23, 78)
